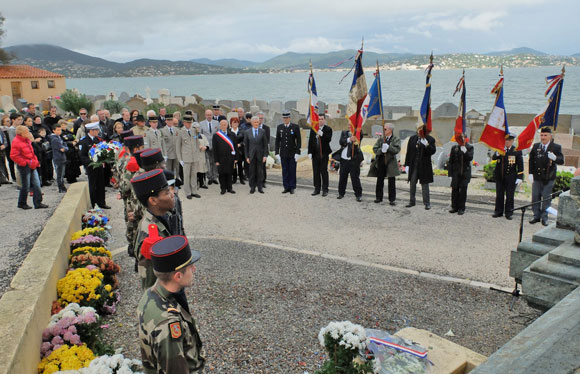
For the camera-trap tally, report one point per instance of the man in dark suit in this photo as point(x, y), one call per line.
point(460, 159)
point(418, 165)
point(508, 174)
point(96, 175)
point(543, 160)
point(350, 160)
point(288, 142)
point(224, 150)
point(266, 129)
point(217, 113)
point(256, 147)
point(318, 151)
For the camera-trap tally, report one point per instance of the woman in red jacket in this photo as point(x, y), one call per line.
point(23, 156)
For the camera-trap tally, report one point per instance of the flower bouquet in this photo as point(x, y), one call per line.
point(102, 263)
point(344, 341)
point(104, 153)
point(95, 251)
point(85, 287)
point(95, 218)
point(66, 358)
point(94, 231)
point(87, 241)
point(116, 364)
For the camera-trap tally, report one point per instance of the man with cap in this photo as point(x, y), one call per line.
point(256, 148)
point(153, 137)
point(168, 336)
point(544, 157)
point(287, 150)
point(209, 127)
point(350, 159)
point(96, 174)
point(154, 194)
point(217, 113)
point(225, 149)
point(169, 134)
point(508, 174)
point(139, 128)
point(318, 151)
point(386, 149)
point(418, 167)
point(187, 147)
point(152, 158)
point(459, 163)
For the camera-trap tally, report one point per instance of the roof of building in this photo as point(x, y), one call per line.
point(25, 71)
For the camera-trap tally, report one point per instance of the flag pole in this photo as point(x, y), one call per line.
point(312, 114)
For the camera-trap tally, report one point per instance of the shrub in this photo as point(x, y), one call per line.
point(563, 180)
point(171, 108)
point(113, 106)
point(72, 101)
point(488, 171)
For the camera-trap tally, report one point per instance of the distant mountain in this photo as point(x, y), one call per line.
point(227, 62)
point(575, 55)
point(77, 65)
point(518, 51)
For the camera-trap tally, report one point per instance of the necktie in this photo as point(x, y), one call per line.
point(255, 133)
point(209, 125)
point(171, 130)
point(188, 133)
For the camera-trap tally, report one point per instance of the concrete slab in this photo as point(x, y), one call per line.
point(567, 253)
point(552, 235)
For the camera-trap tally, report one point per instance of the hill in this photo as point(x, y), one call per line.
point(227, 62)
point(518, 51)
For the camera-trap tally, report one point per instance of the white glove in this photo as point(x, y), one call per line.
point(551, 156)
point(278, 160)
point(310, 156)
point(296, 157)
point(233, 152)
point(518, 182)
point(424, 142)
point(463, 149)
point(531, 178)
point(496, 154)
point(165, 158)
point(181, 163)
point(385, 148)
point(320, 133)
point(525, 152)
point(406, 170)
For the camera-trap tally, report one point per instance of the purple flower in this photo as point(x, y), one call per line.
point(57, 340)
point(45, 348)
point(75, 339)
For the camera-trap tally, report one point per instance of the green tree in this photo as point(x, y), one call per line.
point(5, 57)
point(72, 101)
point(113, 106)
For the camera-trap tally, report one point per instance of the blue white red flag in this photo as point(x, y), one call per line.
point(426, 104)
point(460, 120)
point(496, 128)
point(373, 104)
point(313, 119)
point(356, 97)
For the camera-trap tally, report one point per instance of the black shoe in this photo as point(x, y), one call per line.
point(534, 220)
point(324, 193)
point(453, 210)
point(427, 206)
point(292, 192)
point(285, 191)
point(377, 201)
point(392, 203)
point(359, 198)
point(105, 206)
point(215, 181)
point(545, 222)
point(62, 190)
point(242, 181)
point(223, 192)
point(41, 206)
point(340, 197)
point(25, 207)
point(252, 190)
point(410, 205)
point(196, 196)
point(315, 193)
point(508, 218)
point(461, 212)
point(496, 214)
point(203, 186)
point(210, 182)
point(189, 197)
point(232, 191)
point(260, 190)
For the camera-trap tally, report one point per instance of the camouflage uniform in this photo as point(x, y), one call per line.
point(145, 268)
point(132, 204)
point(170, 343)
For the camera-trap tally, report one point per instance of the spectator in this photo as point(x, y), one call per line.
point(117, 130)
point(44, 156)
point(59, 149)
point(4, 149)
point(52, 119)
point(133, 115)
point(23, 156)
point(83, 113)
point(73, 162)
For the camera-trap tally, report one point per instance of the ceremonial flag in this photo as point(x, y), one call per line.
point(373, 104)
point(548, 116)
point(496, 128)
point(426, 104)
point(312, 119)
point(460, 120)
point(356, 97)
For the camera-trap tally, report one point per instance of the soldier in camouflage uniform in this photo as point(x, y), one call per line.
point(153, 192)
point(122, 158)
point(170, 343)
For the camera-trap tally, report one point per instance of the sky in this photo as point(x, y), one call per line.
point(256, 30)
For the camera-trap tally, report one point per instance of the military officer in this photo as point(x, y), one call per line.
point(169, 134)
point(288, 142)
point(96, 174)
point(318, 151)
point(153, 137)
point(153, 192)
point(544, 157)
point(508, 174)
point(460, 173)
point(217, 113)
point(169, 340)
point(187, 147)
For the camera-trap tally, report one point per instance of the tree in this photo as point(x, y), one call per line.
point(72, 101)
point(5, 57)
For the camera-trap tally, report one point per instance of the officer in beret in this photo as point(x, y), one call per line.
point(288, 143)
point(152, 190)
point(544, 157)
point(508, 174)
point(95, 174)
point(168, 336)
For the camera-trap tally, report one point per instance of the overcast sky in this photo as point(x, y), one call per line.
point(256, 30)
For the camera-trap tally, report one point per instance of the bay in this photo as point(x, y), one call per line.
point(523, 87)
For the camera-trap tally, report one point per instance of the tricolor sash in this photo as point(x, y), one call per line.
point(398, 347)
point(227, 140)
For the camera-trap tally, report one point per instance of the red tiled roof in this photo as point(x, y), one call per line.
point(25, 71)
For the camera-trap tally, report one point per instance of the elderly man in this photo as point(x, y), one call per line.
point(187, 147)
point(418, 166)
point(225, 149)
point(125, 119)
point(241, 117)
point(162, 117)
point(256, 147)
point(386, 149)
point(544, 157)
point(266, 129)
point(288, 142)
point(209, 127)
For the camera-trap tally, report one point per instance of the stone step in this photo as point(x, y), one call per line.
point(568, 254)
point(556, 269)
point(553, 236)
point(535, 248)
point(519, 261)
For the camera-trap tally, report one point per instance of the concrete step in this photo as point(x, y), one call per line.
point(567, 254)
point(556, 269)
point(535, 248)
point(552, 235)
point(546, 283)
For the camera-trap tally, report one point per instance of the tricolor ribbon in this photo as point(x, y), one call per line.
point(399, 347)
point(227, 140)
point(552, 81)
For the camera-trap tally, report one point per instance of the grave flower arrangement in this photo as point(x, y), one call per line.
point(95, 231)
point(87, 241)
point(103, 263)
point(66, 357)
point(104, 153)
point(95, 251)
point(86, 287)
point(95, 218)
point(344, 343)
point(115, 364)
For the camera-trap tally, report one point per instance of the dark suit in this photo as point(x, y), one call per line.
point(96, 175)
point(349, 165)
point(460, 174)
point(256, 149)
point(222, 154)
point(266, 129)
point(544, 171)
point(319, 148)
point(418, 159)
point(508, 168)
point(240, 157)
point(288, 143)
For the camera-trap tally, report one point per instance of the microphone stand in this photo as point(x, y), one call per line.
point(516, 292)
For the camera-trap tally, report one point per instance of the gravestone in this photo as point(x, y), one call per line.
point(440, 158)
point(98, 104)
point(275, 106)
point(445, 110)
point(404, 134)
point(124, 97)
point(237, 104)
point(321, 106)
point(262, 104)
point(111, 96)
point(335, 141)
point(226, 103)
point(254, 109)
point(377, 131)
point(207, 103)
point(302, 106)
point(480, 156)
point(164, 96)
point(334, 110)
point(187, 100)
point(136, 103)
point(176, 100)
point(246, 105)
point(100, 97)
point(6, 103)
point(148, 99)
point(290, 104)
